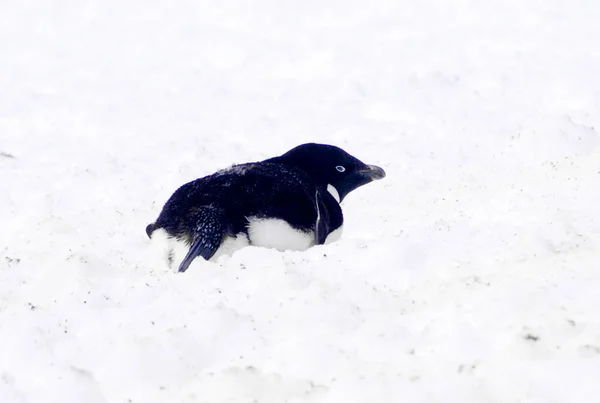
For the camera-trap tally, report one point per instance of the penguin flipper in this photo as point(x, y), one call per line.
point(199, 247)
point(322, 224)
point(207, 237)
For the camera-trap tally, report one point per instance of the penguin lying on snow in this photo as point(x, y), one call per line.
point(290, 202)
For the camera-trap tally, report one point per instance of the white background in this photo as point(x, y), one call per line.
point(469, 274)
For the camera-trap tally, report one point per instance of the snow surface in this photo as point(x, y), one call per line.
point(471, 273)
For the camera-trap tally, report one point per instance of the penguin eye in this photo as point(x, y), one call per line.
point(340, 168)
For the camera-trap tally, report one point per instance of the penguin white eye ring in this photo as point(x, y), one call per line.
point(282, 202)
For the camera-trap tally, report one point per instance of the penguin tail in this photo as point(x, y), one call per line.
point(207, 234)
point(150, 229)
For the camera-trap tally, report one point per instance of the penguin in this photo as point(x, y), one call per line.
point(289, 202)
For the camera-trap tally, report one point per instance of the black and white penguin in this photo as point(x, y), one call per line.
point(290, 202)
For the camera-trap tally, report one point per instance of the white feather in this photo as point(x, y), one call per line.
point(231, 244)
point(278, 234)
point(172, 251)
point(268, 233)
point(334, 235)
point(333, 191)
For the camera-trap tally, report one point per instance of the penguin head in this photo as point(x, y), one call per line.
point(330, 165)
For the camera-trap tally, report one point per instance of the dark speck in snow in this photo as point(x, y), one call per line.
point(531, 337)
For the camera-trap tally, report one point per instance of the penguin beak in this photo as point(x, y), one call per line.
point(358, 178)
point(373, 172)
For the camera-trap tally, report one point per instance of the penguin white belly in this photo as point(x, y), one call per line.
point(269, 233)
point(334, 235)
point(229, 245)
point(173, 251)
point(278, 234)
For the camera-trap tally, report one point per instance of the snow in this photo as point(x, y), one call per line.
point(469, 274)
